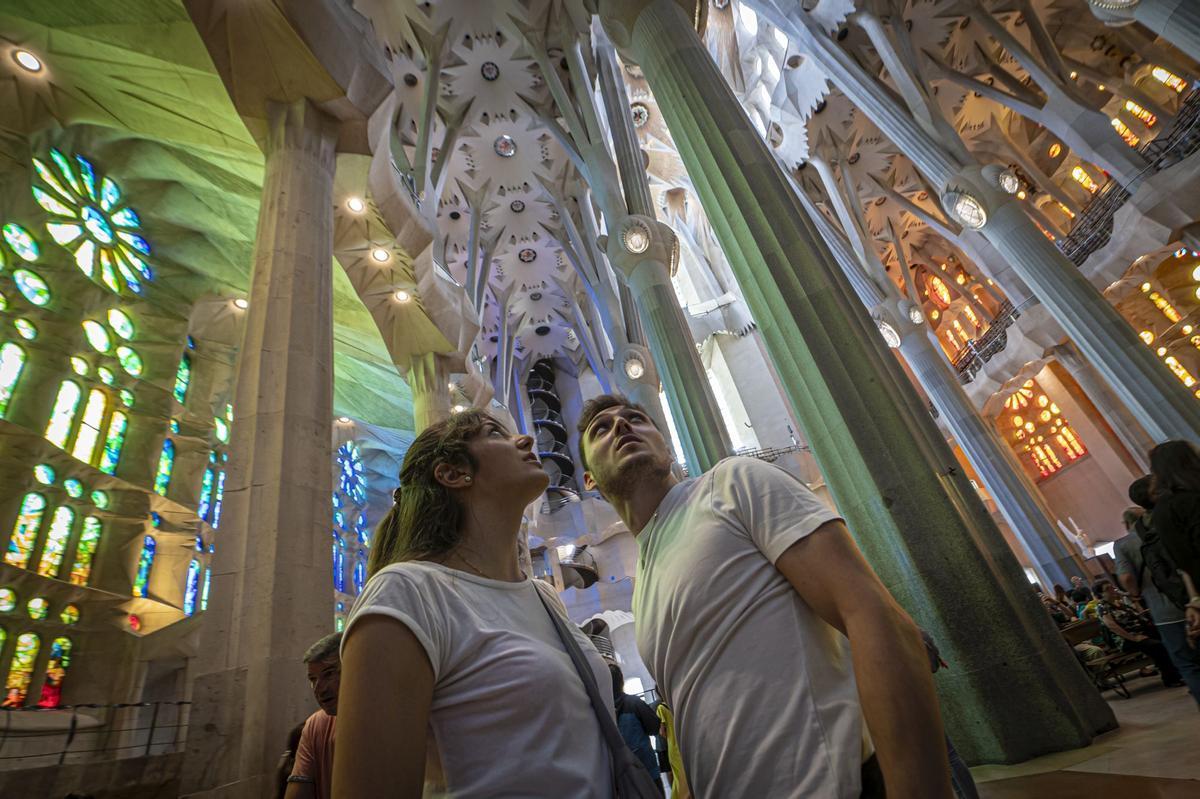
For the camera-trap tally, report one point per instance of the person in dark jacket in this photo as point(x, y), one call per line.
point(1175, 467)
point(637, 721)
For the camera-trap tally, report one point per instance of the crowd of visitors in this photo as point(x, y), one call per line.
point(790, 670)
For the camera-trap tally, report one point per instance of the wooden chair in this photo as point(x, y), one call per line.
point(1111, 670)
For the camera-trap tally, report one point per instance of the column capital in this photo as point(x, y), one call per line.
point(636, 240)
point(620, 16)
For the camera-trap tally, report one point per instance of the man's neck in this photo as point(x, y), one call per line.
point(639, 506)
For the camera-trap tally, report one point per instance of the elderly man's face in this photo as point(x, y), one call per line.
point(325, 677)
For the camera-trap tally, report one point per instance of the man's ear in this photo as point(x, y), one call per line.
point(451, 476)
point(590, 484)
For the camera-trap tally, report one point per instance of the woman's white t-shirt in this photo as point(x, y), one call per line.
point(510, 716)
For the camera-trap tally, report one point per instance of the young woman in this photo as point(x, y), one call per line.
point(450, 644)
point(1175, 469)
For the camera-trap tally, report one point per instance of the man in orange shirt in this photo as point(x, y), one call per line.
point(312, 776)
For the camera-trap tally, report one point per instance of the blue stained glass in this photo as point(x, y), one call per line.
point(135, 241)
point(113, 441)
point(155, 519)
point(206, 494)
point(183, 376)
point(339, 563)
point(191, 343)
point(338, 502)
point(191, 587)
point(88, 173)
point(204, 590)
point(145, 562)
point(216, 521)
point(339, 519)
point(166, 461)
point(110, 195)
point(352, 478)
point(127, 217)
point(362, 530)
point(360, 573)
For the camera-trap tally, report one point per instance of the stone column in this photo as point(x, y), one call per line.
point(1177, 21)
point(1017, 690)
point(1126, 428)
point(271, 597)
point(427, 377)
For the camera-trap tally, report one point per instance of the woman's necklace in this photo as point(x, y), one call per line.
point(471, 565)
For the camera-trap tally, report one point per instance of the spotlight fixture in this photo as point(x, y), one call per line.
point(914, 315)
point(636, 237)
point(380, 255)
point(889, 334)
point(344, 419)
point(27, 61)
point(356, 205)
point(634, 367)
point(241, 303)
point(459, 408)
point(402, 296)
point(965, 208)
point(1009, 182)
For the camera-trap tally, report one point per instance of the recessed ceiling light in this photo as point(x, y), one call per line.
point(458, 408)
point(241, 303)
point(379, 254)
point(28, 61)
point(356, 205)
point(403, 296)
point(343, 419)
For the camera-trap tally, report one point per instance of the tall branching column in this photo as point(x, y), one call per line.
point(271, 596)
point(1016, 690)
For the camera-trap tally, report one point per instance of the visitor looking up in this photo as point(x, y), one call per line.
point(636, 721)
point(1175, 468)
point(449, 636)
point(747, 589)
point(312, 773)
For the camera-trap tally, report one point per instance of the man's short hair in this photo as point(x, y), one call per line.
point(1139, 492)
point(595, 406)
point(325, 649)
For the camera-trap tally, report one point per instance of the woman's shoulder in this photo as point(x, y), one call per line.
point(410, 576)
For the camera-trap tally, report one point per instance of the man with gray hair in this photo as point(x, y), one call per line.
point(312, 776)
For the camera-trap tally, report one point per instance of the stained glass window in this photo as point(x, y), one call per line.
point(204, 590)
point(73, 487)
point(20, 672)
point(221, 429)
point(79, 366)
point(145, 562)
point(89, 428)
point(166, 460)
point(191, 587)
point(352, 474)
point(69, 615)
point(44, 474)
point(130, 361)
point(88, 541)
point(63, 414)
point(183, 376)
point(56, 541)
point(31, 286)
point(339, 563)
point(216, 514)
point(92, 220)
point(100, 499)
point(206, 495)
point(106, 375)
point(25, 329)
point(56, 673)
point(38, 607)
point(127, 398)
point(360, 573)
point(120, 322)
point(21, 242)
point(24, 534)
point(12, 362)
point(97, 335)
point(8, 599)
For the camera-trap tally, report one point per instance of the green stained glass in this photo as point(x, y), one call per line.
point(38, 607)
point(106, 375)
point(52, 204)
point(31, 286)
point(69, 615)
point(183, 377)
point(145, 563)
point(113, 441)
point(100, 499)
point(88, 173)
point(128, 218)
point(20, 671)
point(174, 425)
point(73, 487)
point(131, 279)
point(222, 429)
point(21, 242)
point(8, 600)
point(127, 398)
point(64, 169)
point(29, 521)
point(64, 233)
point(97, 335)
point(12, 363)
point(229, 413)
point(130, 361)
point(135, 241)
point(3, 299)
point(56, 541)
point(25, 329)
point(62, 416)
point(44, 474)
point(89, 539)
point(89, 426)
point(79, 366)
point(110, 195)
point(166, 461)
point(141, 266)
point(51, 179)
point(120, 322)
point(108, 275)
point(206, 495)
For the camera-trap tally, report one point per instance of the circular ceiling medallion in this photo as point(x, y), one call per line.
point(516, 206)
point(527, 256)
point(494, 339)
point(489, 70)
point(410, 80)
point(505, 146)
point(536, 296)
point(542, 330)
point(641, 114)
point(455, 215)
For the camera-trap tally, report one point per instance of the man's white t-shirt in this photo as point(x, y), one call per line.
point(510, 716)
point(762, 689)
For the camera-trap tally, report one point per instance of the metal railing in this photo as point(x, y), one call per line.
point(1093, 228)
point(92, 732)
point(976, 352)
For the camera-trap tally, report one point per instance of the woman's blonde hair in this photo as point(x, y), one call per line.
point(426, 520)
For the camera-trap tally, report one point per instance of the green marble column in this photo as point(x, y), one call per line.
point(1015, 690)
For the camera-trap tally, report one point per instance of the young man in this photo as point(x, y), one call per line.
point(312, 775)
point(746, 592)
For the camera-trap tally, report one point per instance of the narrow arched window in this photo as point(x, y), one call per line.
point(20, 671)
point(56, 673)
point(12, 363)
point(89, 539)
point(25, 531)
point(89, 428)
point(56, 541)
point(62, 416)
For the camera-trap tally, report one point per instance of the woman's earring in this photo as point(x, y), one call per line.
point(468, 478)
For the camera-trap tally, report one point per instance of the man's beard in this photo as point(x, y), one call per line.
point(624, 479)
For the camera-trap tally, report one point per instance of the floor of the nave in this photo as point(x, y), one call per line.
point(1152, 756)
